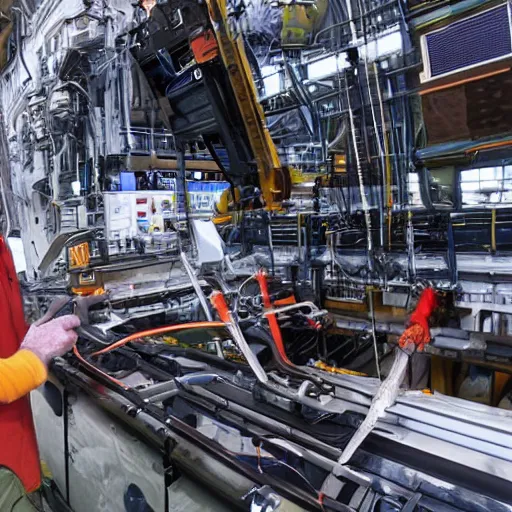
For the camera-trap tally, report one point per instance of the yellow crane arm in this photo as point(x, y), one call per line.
point(233, 55)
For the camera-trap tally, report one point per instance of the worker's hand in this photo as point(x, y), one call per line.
point(53, 338)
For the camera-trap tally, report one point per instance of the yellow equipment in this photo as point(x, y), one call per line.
point(274, 179)
point(301, 21)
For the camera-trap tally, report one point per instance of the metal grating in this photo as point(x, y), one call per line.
point(469, 42)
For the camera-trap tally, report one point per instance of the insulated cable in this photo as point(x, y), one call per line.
point(96, 370)
point(160, 330)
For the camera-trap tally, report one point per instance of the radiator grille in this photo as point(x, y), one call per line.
point(468, 42)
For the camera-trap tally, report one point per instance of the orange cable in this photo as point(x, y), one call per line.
point(97, 370)
point(489, 145)
point(159, 330)
point(272, 318)
point(262, 281)
point(219, 303)
point(463, 81)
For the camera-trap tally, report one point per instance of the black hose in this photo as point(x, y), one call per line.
point(18, 43)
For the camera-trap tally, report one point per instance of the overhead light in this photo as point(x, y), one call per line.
point(383, 45)
point(75, 186)
point(271, 80)
point(328, 66)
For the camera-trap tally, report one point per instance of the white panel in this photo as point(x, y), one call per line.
point(50, 437)
point(209, 243)
point(328, 66)
point(18, 254)
point(106, 459)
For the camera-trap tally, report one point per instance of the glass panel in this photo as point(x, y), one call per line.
point(490, 185)
point(470, 175)
point(471, 198)
point(441, 186)
point(472, 186)
point(484, 186)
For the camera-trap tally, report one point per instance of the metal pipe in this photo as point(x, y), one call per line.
point(385, 397)
point(374, 336)
point(352, 25)
point(364, 199)
point(197, 287)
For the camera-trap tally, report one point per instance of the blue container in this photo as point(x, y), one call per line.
point(128, 181)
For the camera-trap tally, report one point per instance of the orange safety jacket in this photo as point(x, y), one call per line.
point(20, 372)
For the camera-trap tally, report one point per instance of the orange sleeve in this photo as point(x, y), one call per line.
point(20, 374)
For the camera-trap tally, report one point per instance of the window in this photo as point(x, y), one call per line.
point(441, 185)
point(487, 185)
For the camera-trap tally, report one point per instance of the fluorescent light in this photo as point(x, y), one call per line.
point(328, 66)
point(75, 186)
point(383, 45)
point(271, 80)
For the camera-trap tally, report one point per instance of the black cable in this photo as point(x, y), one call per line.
point(18, 43)
point(66, 443)
point(296, 471)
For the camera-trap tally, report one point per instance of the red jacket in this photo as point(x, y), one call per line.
point(18, 446)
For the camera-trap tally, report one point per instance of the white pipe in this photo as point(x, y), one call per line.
point(197, 287)
point(364, 200)
point(384, 398)
point(313, 307)
point(351, 23)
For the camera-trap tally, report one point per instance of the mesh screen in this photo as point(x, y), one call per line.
point(468, 42)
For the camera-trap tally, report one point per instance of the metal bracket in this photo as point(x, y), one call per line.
point(264, 499)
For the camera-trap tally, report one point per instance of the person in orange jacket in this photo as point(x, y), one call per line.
point(25, 354)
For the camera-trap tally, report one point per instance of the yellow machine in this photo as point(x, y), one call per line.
point(301, 21)
point(274, 179)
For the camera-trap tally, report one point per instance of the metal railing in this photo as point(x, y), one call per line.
point(146, 140)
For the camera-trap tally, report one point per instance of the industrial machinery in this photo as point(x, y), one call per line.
point(286, 229)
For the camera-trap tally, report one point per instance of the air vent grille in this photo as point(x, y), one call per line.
point(470, 42)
